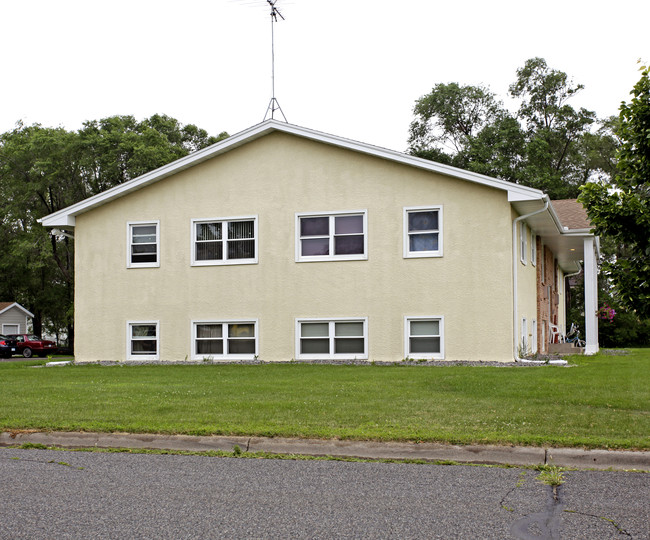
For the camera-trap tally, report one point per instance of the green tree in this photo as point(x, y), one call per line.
point(620, 209)
point(43, 170)
point(547, 144)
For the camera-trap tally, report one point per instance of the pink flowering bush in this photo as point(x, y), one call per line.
point(606, 313)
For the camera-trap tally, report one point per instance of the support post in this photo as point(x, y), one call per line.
point(591, 296)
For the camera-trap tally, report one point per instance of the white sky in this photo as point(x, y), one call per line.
point(352, 68)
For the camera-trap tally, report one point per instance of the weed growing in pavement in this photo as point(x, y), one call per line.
point(551, 476)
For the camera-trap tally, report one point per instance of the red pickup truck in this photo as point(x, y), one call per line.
point(29, 344)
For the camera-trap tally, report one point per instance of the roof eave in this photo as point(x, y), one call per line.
point(66, 217)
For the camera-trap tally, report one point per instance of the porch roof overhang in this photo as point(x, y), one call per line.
point(567, 244)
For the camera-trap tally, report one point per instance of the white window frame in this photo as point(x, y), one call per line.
point(524, 335)
point(331, 336)
point(332, 215)
point(129, 243)
point(224, 228)
point(533, 249)
point(533, 346)
point(12, 325)
point(407, 339)
point(543, 264)
point(408, 254)
point(129, 353)
point(523, 242)
point(225, 324)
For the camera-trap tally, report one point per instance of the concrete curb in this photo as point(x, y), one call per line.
point(506, 455)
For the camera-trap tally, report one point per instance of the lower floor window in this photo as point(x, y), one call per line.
point(224, 339)
point(142, 338)
point(332, 338)
point(424, 337)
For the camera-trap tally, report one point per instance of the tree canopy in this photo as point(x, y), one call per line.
point(43, 170)
point(547, 144)
point(620, 208)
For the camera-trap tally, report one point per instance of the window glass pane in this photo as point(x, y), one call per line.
point(314, 329)
point(143, 330)
point(209, 251)
point(348, 224)
point(209, 331)
point(145, 239)
point(348, 245)
point(315, 226)
point(144, 258)
point(241, 249)
point(348, 329)
point(315, 246)
point(348, 345)
point(425, 328)
point(423, 242)
point(143, 346)
point(142, 249)
point(241, 330)
point(209, 346)
point(314, 346)
point(208, 231)
point(241, 346)
point(241, 229)
point(425, 345)
point(423, 221)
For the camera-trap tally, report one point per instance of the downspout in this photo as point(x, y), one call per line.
point(515, 264)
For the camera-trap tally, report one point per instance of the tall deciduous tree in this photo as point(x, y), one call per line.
point(620, 209)
point(43, 170)
point(547, 144)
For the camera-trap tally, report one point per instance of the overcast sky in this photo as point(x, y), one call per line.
point(352, 68)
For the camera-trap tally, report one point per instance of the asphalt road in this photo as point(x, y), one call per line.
point(63, 494)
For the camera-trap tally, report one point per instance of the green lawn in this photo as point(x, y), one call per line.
point(599, 402)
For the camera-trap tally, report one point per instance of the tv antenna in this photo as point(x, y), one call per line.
point(274, 105)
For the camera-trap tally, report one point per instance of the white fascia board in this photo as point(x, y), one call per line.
point(66, 216)
point(17, 305)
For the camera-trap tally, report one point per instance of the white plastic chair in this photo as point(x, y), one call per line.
point(555, 334)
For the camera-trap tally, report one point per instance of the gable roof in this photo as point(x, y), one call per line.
point(6, 306)
point(572, 215)
point(65, 218)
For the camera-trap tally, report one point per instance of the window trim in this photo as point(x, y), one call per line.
point(222, 262)
point(319, 258)
point(225, 356)
point(407, 338)
point(533, 248)
point(129, 353)
point(407, 253)
point(129, 244)
point(331, 336)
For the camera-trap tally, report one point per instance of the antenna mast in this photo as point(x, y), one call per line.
point(273, 104)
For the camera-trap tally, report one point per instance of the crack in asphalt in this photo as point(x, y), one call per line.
point(620, 529)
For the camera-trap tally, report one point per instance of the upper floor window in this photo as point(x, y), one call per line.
point(533, 249)
point(224, 241)
point(423, 231)
point(144, 244)
point(523, 242)
point(332, 236)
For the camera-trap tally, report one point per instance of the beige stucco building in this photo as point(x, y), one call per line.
point(283, 243)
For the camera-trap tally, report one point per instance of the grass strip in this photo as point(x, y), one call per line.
point(599, 402)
